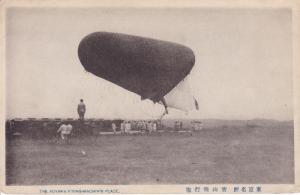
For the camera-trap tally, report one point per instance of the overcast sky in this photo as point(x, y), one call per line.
point(243, 66)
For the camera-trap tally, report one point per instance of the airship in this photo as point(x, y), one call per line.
point(153, 69)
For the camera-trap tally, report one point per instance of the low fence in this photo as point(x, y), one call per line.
point(45, 127)
point(39, 128)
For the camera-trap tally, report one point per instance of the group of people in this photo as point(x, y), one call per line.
point(127, 126)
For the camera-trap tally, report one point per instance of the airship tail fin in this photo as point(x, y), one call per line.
point(181, 97)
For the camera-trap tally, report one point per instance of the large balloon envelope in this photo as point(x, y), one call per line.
point(148, 67)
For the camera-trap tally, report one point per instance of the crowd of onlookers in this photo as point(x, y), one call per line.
point(131, 125)
point(64, 128)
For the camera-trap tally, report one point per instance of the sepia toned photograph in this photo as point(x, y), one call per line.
point(149, 96)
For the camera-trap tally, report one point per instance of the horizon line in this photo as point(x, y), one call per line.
point(98, 118)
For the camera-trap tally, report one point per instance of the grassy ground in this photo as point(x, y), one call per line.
point(220, 155)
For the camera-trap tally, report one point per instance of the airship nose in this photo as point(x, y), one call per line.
point(84, 52)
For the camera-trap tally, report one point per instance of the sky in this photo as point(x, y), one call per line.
point(243, 67)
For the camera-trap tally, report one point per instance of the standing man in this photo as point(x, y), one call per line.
point(122, 127)
point(81, 110)
point(149, 127)
point(114, 127)
point(154, 126)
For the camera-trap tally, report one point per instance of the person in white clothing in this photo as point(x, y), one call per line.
point(149, 127)
point(154, 127)
point(65, 131)
point(114, 127)
point(69, 129)
point(127, 126)
point(122, 127)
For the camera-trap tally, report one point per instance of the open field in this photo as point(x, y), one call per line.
point(237, 154)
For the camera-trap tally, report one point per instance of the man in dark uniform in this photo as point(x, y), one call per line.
point(81, 110)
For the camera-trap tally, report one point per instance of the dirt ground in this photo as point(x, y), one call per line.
point(255, 155)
